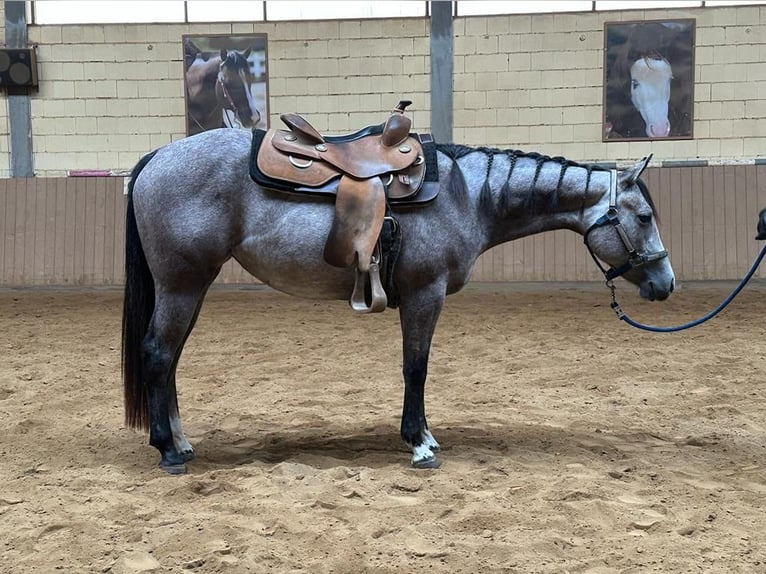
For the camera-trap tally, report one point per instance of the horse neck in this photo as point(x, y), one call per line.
point(201, 77)
point(517, 194)
point(212, 66)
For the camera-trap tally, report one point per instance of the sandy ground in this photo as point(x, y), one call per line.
point(572, 443)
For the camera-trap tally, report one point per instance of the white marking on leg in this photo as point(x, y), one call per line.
point(430, 441)
point(182, 445)
point(421, 454)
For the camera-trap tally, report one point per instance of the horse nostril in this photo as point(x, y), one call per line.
point(672, 285)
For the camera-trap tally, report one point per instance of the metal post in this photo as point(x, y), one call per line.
point(19, 111)
point(442, 68)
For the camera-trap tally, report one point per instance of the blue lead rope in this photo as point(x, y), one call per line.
point(621, 314)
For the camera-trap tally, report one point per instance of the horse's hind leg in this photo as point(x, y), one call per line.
point(173, 318)
point(183, 446)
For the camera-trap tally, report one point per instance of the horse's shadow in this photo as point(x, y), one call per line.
point(314, 446)
point(382, 446)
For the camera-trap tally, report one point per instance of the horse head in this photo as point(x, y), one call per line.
point(650, 78)
point(623, 232)
point(761, 225)
point(234, 87)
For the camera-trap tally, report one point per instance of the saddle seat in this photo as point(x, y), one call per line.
point(298, 123)
point(364, 170)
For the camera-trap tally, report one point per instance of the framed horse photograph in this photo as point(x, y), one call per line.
point(226, 82)
point(648, 80)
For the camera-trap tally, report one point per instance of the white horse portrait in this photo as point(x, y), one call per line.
point(650, 79)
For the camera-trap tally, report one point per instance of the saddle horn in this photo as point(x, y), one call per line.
point(397, 127)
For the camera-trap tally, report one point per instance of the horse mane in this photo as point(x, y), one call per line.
point(653, 63)
point(648, 197)
point(650, 40)
point(649, 58)
point(531, 199)
point(236, 59)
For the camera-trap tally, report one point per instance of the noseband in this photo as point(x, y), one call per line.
point(611, 217)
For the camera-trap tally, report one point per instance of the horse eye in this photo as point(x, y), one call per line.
point(645, 218)
point(634, 84)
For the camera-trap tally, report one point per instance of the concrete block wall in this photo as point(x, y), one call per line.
point(535, 82)
point(110, 93)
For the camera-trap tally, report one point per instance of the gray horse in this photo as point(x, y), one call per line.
point(192, 206)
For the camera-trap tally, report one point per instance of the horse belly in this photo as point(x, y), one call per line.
point(289, 259)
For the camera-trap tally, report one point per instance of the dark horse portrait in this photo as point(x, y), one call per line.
point(649, 79)
point(224, 88)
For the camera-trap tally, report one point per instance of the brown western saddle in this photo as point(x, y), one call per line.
point(365, 171)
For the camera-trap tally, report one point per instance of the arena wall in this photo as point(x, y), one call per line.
point(110, 93)
point(69, 231)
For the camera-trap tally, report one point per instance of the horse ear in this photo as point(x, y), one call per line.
point(630, 175)
point(223, 54)
point(246, 55)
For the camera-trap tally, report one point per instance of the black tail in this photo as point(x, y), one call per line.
point(137, 309)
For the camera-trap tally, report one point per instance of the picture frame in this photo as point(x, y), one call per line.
point(648, 80)
point(225, 81)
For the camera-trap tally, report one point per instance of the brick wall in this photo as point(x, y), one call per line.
point(109, 93)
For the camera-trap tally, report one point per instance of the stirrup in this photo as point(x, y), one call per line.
point(358, 300)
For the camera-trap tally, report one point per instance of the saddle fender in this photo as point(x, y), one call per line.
point(360, 206)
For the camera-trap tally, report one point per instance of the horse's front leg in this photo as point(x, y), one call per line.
point(418, 316)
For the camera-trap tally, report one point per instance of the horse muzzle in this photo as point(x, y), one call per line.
point(252, 120)
point(655, 289)
point(660, 130)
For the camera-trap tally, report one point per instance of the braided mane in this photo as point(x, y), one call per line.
point(456, 151)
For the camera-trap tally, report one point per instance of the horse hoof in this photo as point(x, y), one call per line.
point(431, 462)
point(174, 468)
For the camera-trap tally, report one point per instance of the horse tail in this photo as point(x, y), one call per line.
point(137, 309)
